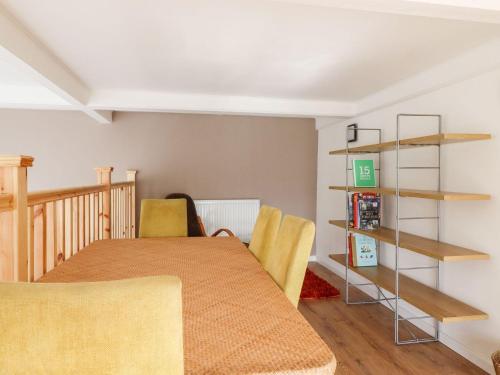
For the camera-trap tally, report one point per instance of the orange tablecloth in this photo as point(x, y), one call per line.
point(236, 320)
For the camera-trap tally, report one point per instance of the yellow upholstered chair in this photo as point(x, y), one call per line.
point(163, 218)
point(287, 262)
point(129, 326)
point(264, 232)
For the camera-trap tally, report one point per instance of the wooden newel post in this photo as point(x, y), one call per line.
point(104, 178)
point(131, 177)
point(14, 222)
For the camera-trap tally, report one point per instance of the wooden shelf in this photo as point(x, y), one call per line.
point(431, 248)
point(429, 140)
point(433, 302)
point(415, 193)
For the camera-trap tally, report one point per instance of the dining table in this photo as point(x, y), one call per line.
point(236, 320)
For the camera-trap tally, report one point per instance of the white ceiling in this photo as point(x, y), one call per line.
point(240, 48)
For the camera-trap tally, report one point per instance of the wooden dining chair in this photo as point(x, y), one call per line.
point(287, 262)
point(163, 218)
point(194, 223)
point(265, 232)
point(131, 326)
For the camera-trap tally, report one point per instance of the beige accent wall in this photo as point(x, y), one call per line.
point(206, 156)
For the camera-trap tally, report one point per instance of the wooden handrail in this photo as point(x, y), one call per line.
point(46, 196)
point(6, 202)
point(118, 185)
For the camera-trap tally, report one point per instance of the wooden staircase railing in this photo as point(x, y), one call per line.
point(40, 230)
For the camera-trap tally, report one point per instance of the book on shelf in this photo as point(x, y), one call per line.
point(363, 173)
point(351, 261)
point(364, 211)
point(362, 251)
point(351, 209)
point(355, 218)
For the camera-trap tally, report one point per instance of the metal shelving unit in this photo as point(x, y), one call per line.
point(462, 311)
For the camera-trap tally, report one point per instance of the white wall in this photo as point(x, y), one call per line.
point(469, 106)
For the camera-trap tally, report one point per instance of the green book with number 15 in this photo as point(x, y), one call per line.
point(364, 173)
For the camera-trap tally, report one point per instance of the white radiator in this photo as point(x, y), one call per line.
point(238, 215)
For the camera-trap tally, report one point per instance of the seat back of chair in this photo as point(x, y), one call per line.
point(129, 326)
point(194, 229)
point(163, 218)
point(287, 262)
point(265, 232)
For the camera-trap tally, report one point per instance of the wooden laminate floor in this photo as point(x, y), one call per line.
point(362, 338)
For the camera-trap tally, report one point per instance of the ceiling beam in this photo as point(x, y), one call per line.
point(151, 101)
point(103, 117)
point(487, 11)
point(21, 49)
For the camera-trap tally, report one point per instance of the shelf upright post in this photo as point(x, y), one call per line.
point(438, 219)
point(347, 169)
point(396, 310)
point(347, 216)
point(379, 295)
point(398, 218)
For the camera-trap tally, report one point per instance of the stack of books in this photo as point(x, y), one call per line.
point(364, 211)
point(364, 214)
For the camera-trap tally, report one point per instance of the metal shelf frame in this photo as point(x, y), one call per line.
point(381, 297)
point(347, 170)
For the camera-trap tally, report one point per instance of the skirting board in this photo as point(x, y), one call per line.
point(313, 258)
point(407, 310)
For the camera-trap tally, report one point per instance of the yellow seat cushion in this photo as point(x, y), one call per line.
point(121, 327)
point(163, 218)
point(265, 232)
point(287, 262)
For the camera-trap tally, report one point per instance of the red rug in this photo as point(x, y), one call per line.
point(315, 287)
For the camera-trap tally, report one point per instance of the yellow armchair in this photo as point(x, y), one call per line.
point(163, 218)
point(287, 262)
point(129, 326)
point(264, 232)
